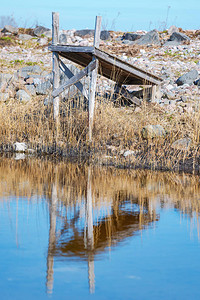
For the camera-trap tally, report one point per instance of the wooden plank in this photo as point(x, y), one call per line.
point(73, 49)
point(93, 77)
point(122, 91)
point(114, 68)
point(75, 57)
point(56, 75)
point(138, 73)
point(82, 59)
point(75, 78)
point(69, 74)
point(129, 74)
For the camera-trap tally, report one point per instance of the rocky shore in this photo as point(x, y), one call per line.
point(173, 55)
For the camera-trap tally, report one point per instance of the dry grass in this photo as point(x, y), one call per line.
point(116, 129)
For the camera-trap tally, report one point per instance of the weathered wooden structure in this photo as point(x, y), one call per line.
point(94, 61)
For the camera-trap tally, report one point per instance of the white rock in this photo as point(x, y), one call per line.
point(19, 156)
point(169, 87)
point(23, 96)
point(128, 153)
point(42, 41)
point(84, 43)
point(4, 96)
point(172, 29)
point(20, 147)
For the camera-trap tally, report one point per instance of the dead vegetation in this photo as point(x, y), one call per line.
point(116, 130)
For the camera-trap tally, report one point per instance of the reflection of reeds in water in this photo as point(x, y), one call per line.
point(109, 190)
point(109, 187)
point(113, 204)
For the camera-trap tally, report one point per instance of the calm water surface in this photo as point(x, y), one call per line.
point(76, 232)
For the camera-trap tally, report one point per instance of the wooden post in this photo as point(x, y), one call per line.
point(153, 94)
point(93, 77)
point(56, 75)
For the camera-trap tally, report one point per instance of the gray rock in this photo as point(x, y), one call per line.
point(170, 95)
point(30, 89)
point(182, 144)
point(43, 88)
point(84, 32)
point(151, 38)
point(179, 37)
point(153, 131)
point(131, 36)
point(49, 76)
point(10, 29)
point(65, 39)
point(35, 69)
point(23, 96)
point(4, 96)
point(24, 37)
point(40, 30)
point(29, 70)
point(172, 29)
point(127, 42)
point(37, 80)
point(171, 44)
point(118, 39)
point(4, 79)
point(105, 35)
point(183, 98)
point(20, 147)
point(30, 78)
point(187, 78)
point(42, 41)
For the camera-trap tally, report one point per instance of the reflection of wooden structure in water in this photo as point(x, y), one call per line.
point(94, 61)
point(52, 239)
point(86, 242)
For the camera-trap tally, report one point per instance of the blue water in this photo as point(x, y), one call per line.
point(159, 260)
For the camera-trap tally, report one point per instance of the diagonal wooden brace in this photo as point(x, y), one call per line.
point(75, 78)
point(69, 74)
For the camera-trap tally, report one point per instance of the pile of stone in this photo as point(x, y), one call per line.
point(173, 55)
point(24, 83)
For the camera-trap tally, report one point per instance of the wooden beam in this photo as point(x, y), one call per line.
point(55, 57)
point(74, 49)
point(124, 93)
point(93, 77)
point(69, 74)
point(75, 57)
point(75, 78)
